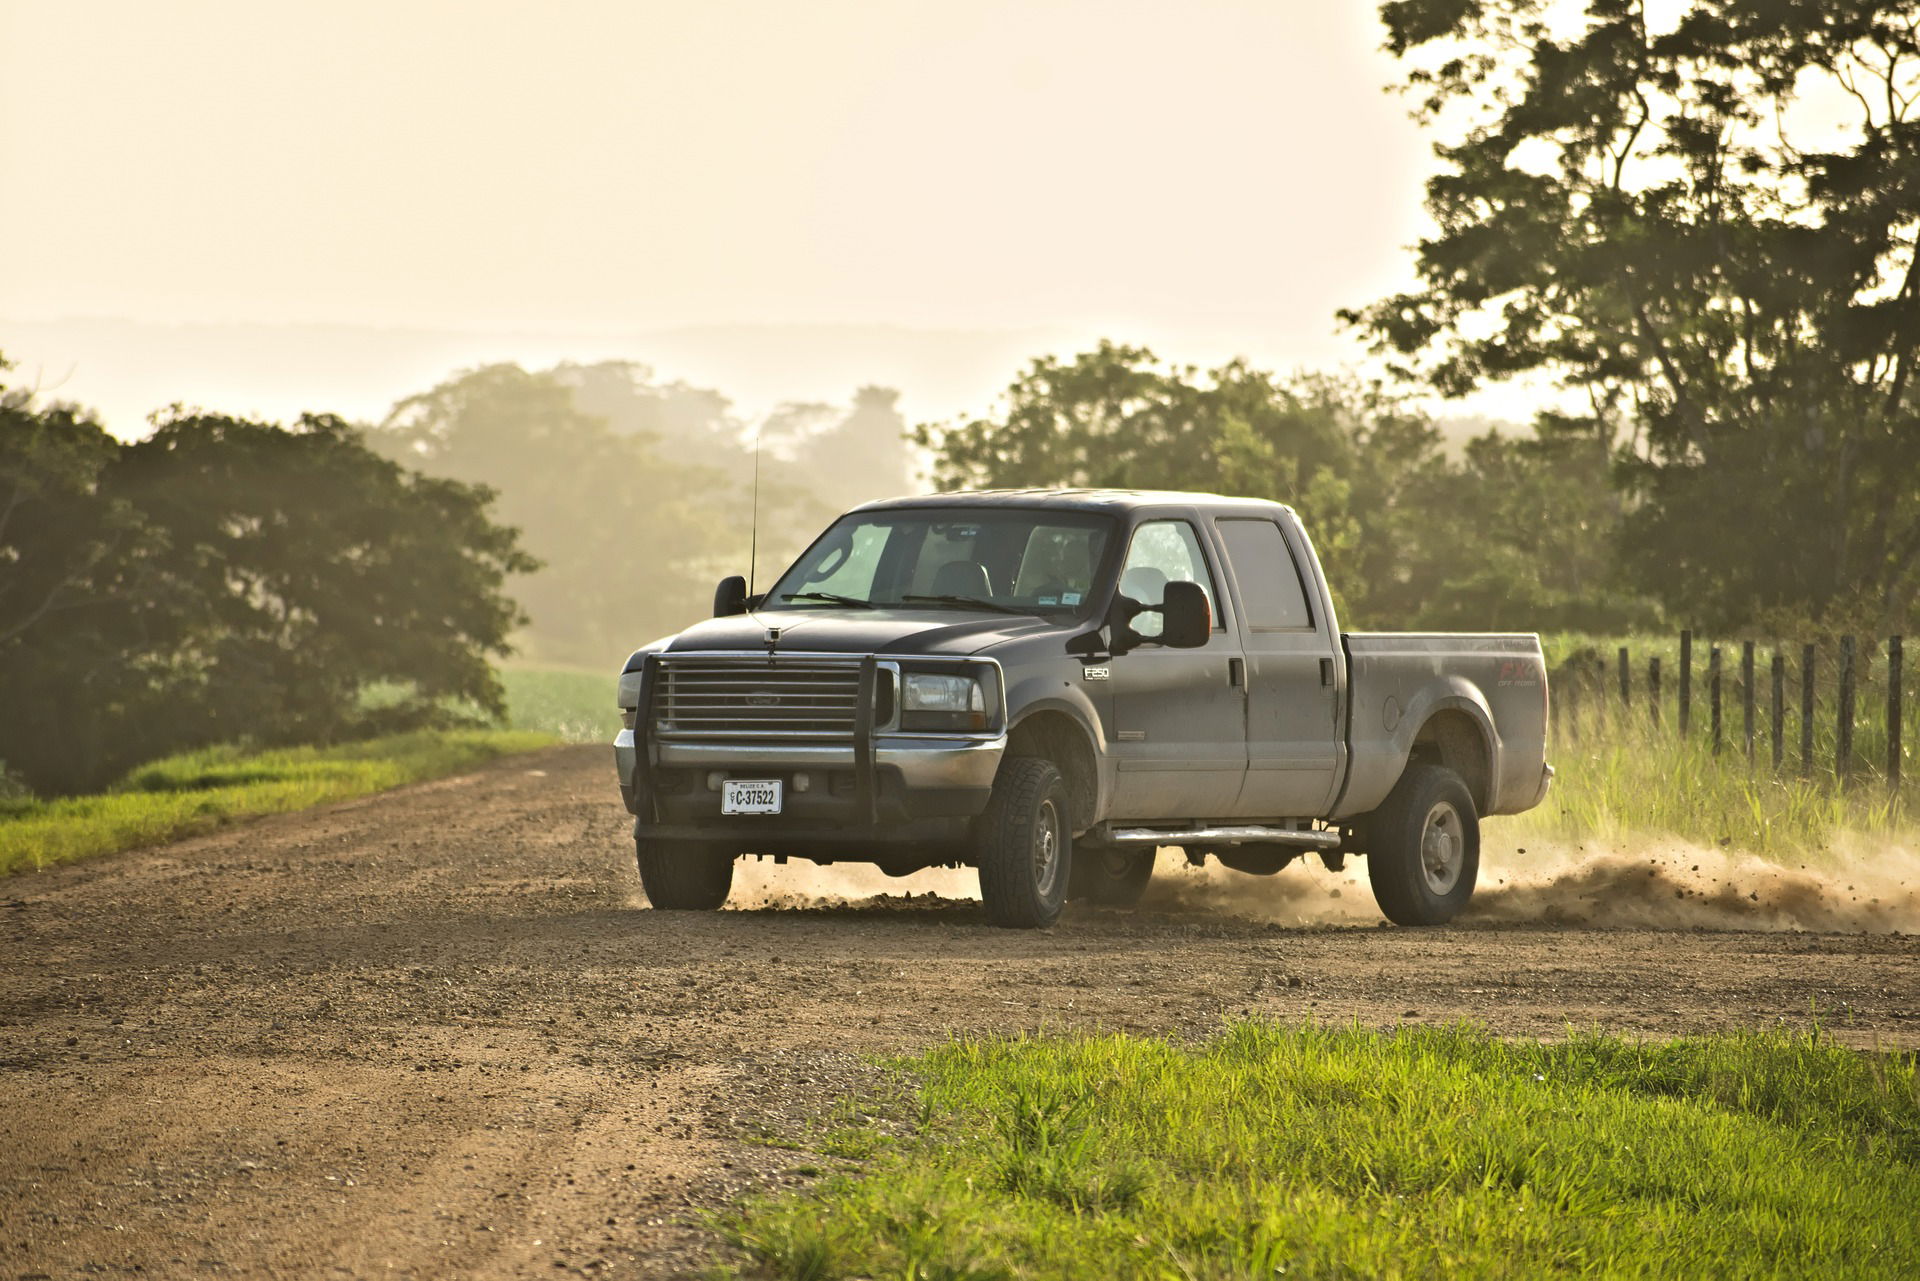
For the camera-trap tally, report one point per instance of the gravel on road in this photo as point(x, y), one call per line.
point(437, 1033)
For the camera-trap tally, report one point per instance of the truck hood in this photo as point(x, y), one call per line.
point(862, 631)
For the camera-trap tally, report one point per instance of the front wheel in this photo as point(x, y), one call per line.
point(1423, 847)
point(681, 876)
point(1024, 845)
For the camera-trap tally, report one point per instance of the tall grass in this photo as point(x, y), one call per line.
point(1586, 676)
point(1624, 772)
point(1622, 781)
point(196, 791)
point(1307, 1151)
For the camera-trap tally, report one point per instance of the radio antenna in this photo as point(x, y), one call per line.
point(753, 545)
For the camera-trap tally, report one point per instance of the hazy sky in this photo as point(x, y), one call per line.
point(1211, 177)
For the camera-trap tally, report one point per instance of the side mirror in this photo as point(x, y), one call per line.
point(1188, 618)
point(730, 597)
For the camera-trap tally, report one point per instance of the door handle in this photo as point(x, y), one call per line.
point(1326, 672)
point(1237, 672)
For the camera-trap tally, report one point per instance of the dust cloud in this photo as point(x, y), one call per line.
point(760, 884)
point(1858, 886)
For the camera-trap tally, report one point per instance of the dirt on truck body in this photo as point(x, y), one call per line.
point(437, 1033)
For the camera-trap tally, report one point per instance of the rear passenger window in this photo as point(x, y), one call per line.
point(1270, 586)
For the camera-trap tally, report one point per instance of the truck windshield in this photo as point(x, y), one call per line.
point(1003, 560)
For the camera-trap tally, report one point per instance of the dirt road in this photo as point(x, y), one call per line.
point(435, 1033)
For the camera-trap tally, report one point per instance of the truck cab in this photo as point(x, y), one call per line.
point(1051, 685)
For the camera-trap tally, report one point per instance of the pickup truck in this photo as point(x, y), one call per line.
point(1051, 685)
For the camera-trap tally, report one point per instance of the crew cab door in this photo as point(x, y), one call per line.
point(1295, 746)
point(1179, 735)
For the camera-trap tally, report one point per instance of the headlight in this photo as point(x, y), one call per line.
point(929, 701)
point(928, 693)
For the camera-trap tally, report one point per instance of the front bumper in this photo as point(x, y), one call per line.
point(878, 784)
point(902, 783)
point(919, 764)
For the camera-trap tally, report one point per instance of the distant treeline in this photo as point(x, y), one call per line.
point(637, 495)
point(1512, 531)
point(229, 580)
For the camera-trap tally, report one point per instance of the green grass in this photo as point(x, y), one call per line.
point(1625, 774)
point(1307, 1151)
point(571, 703)
point(1623, 781)
point(1586, 696)
point(195, 791)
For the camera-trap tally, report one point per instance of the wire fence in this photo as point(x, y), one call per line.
point(1836, 710)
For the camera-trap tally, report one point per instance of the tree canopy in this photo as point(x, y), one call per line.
point(1513, 535)
point(638, 496)
point(225, 580)
point(1708, 229)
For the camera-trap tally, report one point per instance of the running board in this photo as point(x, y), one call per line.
point(1298, 838)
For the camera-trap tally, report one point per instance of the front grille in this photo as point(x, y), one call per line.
point(752, 698)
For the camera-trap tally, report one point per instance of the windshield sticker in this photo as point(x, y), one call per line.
point(1070, 598)
point(1046, 600)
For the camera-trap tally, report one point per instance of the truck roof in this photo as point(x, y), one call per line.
point(1077, 499)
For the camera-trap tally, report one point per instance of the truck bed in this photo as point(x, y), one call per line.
point(1400, 682)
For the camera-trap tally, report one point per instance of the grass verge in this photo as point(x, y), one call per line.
point(1280, 1150)
point(1622, 781)
point(195, 791)
point(571, 703)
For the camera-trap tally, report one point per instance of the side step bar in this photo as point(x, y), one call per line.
point(1296, 837)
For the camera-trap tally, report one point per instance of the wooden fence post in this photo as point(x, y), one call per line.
point(1779, 708)
point(1806, 711)
point(1713, 693)
point(1894, 655)
point(1653, 688)
point(1843, 748)
point(1746, 696)
point(1626, 686)
point(1686, 679)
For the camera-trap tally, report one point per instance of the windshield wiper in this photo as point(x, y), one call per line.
point(973, 601)
point(832, 598)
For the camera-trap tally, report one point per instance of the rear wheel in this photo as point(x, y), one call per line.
point(1423, 848)
point(681, 876)
point(1024, 845)
point(1111, 877)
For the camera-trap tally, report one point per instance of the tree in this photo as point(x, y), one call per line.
point(1519, 536)
point(818, 460)
point(227, 580)
point(57, 530)
point(626, 535)
point(1661, 219)
point(639, 496)
point(1117, 417)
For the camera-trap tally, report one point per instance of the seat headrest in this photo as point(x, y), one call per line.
point(1145, 584)
point(962, 578)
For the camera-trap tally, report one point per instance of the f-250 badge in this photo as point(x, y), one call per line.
point(1095, 673)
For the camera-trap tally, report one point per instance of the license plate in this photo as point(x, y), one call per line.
point(749, 796)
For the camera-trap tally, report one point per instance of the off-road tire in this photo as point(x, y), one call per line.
point(1110, 877)
point(682, 876)
point(1024, 886)
point(1423, 847)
